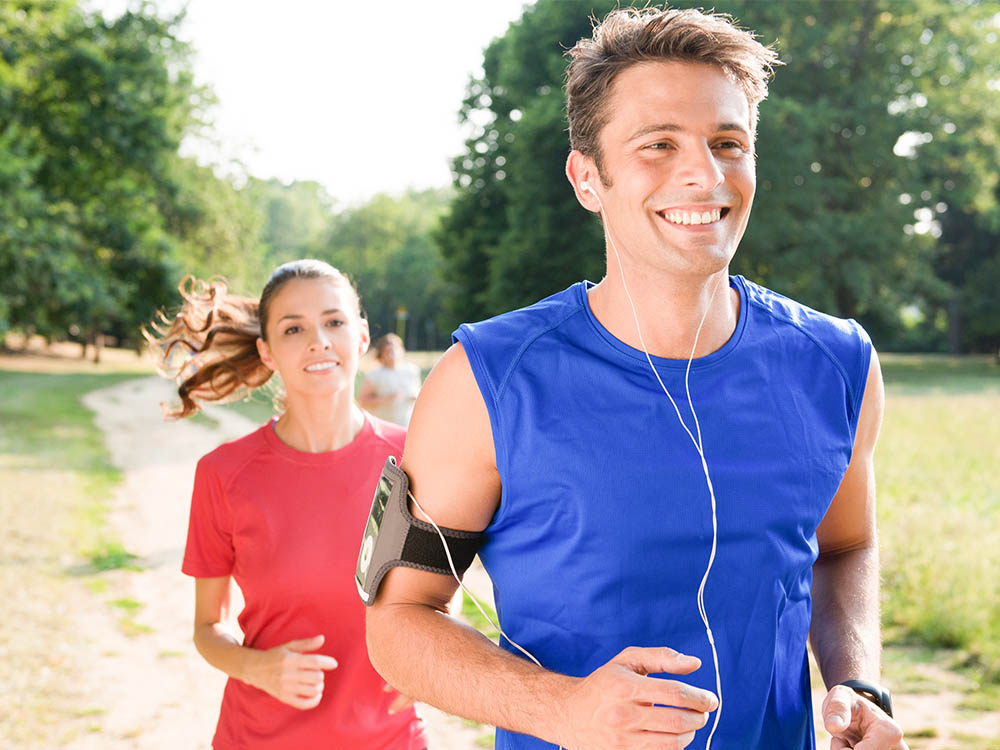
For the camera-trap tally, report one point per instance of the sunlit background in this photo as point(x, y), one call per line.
point(420, 148)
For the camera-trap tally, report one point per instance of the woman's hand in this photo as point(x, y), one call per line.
point(400, 702)
point(289, 673)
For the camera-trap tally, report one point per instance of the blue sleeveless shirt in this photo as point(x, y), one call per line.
point(604, 527)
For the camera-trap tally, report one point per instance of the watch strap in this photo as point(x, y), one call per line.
point(873, 692)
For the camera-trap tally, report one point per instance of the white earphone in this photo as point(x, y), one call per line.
point(702, 611)
point(585, 187)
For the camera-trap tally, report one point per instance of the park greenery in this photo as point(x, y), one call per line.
point(878, 163)
point(939, 516)
point(878, 190)
point(101, 215)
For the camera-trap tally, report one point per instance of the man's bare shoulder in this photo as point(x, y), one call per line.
point(449, 453)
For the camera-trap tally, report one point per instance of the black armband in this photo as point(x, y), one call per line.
point(394, 537)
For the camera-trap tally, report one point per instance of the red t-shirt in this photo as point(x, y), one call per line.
point(287, 526)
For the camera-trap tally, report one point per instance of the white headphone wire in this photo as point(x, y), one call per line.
point(698, 445)
point(696, 442)
point(472, 596)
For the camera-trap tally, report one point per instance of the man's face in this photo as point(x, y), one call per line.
point(678, 155)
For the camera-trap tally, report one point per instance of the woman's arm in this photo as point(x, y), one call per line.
point(286, 672)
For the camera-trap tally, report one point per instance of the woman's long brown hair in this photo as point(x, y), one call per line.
point(209, 347)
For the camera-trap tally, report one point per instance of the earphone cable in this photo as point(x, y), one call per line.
point(472, 596)
point(702, 611)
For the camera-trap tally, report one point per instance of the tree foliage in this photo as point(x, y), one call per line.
point(877, 166)
point(514, 232)
point(91, 117)
point(100, 216)
point(385, 246)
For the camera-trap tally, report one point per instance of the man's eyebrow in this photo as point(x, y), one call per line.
point(730, 126)
point(658, 127)
point(290, 316)
point(669, 127)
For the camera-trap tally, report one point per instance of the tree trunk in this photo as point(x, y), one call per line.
point(955, 325)
point(847, 305)
point(98, 347)
point(864, 34)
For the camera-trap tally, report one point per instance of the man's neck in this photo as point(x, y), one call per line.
point(669, 311)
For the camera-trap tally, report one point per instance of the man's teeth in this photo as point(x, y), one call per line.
point(320, 366)
point(693, 217)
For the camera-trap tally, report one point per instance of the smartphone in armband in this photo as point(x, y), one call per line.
point(394, 537)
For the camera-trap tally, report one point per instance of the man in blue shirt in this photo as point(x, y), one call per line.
point(673, 467)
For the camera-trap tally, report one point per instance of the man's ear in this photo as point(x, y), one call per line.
point(265, 355)
point(581, 171)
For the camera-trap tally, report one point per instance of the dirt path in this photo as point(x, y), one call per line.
point(147, 684)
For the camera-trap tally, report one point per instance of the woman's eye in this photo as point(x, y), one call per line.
point(292, 329)
point(335, 323)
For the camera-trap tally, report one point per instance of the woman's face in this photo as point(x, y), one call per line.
point(315, 336)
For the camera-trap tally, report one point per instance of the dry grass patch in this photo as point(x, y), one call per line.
point(55, 474)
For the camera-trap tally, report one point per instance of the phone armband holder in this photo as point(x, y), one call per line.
point(393, 536)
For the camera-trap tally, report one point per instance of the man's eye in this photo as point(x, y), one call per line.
point(659, 146)
point(727, 145)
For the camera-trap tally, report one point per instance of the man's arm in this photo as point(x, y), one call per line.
point(846, 633)
point(423, 652)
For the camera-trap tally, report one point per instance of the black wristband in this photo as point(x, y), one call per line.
point(873, 692)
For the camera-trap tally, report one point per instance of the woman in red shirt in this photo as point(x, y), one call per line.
point(281, 512)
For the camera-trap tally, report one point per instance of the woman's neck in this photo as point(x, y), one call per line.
point(318, 425)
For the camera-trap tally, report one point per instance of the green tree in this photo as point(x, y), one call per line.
point(514, 232)
point(880, 122)
point(952, 102)
point(385, 246)
point(840, 220)
point(219, 228)
point(91, 116)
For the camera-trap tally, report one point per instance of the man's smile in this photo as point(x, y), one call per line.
point(694, 216)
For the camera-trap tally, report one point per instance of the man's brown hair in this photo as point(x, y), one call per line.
point(629, 36)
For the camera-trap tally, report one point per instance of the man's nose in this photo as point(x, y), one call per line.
point(698, 168)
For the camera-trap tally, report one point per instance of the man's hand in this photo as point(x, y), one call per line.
point(618, 706)
point(289, 673)
point(856, 722)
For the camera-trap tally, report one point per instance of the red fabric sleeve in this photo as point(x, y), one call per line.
point(209, 551)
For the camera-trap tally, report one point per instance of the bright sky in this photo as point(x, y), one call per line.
point(360, 96)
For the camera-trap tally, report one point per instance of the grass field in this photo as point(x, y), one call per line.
point(939, 510)
point(939, 507)
point(55, 476)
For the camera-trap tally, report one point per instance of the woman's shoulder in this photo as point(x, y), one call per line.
point(233, 455)
point(386, 434)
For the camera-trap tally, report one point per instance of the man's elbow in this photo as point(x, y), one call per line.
point(375, 616)
point(857, 544)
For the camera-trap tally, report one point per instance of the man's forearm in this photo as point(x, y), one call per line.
point(433, 658)
point(845, 634)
